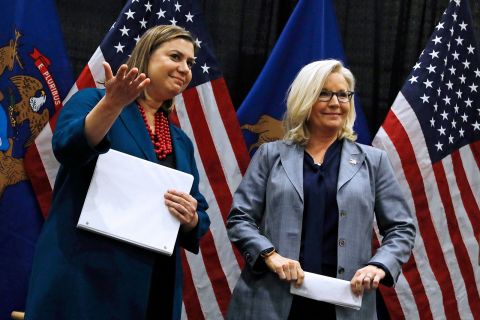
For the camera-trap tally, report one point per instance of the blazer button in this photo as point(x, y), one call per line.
point(343, 214)
point(341, 270)
point(341, 242)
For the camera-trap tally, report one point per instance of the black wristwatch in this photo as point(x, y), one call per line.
point(267, 252)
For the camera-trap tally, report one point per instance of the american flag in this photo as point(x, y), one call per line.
point(432, 137)
point(205, 112)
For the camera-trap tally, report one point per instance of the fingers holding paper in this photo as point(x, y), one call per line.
point(184, 207)
point(366, 278)
point(286, 269)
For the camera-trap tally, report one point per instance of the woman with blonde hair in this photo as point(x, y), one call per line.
point(81, 275)
point(308, 203)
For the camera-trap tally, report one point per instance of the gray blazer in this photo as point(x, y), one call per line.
point(267, 211)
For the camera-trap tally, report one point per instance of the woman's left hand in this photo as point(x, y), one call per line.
point(184, 207)
point(366, 278)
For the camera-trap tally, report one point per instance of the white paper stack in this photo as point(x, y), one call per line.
point(327, 289)
point(125, 201)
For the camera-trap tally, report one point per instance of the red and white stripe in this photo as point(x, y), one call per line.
point(207, 115)
point(442, 278)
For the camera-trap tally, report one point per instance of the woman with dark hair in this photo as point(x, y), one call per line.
point(308, 203)
point(81, 275)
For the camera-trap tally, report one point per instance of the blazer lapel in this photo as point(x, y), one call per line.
point(292, 162)
point(350, 162)
point(133, 121)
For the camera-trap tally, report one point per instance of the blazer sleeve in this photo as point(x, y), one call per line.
point(69, 142)
point(248, 208)
point(394, 220)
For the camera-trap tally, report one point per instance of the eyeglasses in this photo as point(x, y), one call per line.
point(342, 96)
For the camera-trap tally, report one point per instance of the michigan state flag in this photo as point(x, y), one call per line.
point(35, 75)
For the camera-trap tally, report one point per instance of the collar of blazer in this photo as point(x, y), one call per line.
point(350, 162)
point(135, 125)
point(292, 155)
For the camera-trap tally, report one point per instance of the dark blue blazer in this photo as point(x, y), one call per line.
point(81, 275)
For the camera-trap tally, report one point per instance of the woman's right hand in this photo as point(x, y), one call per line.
point(125, 86)
point(120, 91)
point(286, 269)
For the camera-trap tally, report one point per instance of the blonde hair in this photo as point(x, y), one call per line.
point(149, 42)
point(303, 94)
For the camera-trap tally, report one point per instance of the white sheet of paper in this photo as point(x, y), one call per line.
point(327, 289)
point(125, 201)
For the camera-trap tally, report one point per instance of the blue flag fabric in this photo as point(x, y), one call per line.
point(34, 76)
point(310, 34)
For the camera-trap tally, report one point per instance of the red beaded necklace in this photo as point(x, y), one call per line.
point(162, 142)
